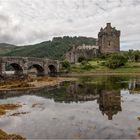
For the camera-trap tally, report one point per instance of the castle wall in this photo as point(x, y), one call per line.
point(86, 51)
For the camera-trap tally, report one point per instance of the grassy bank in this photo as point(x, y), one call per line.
point(96, 67)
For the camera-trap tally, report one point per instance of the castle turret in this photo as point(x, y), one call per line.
point(109, 40)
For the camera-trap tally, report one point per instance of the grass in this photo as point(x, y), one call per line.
point(99, 68)
point(139, 135)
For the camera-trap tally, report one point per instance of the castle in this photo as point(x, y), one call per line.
point(108, 42)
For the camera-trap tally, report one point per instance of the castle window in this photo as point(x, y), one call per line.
point(109, 43)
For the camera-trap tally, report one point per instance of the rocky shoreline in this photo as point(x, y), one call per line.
point(36, 87)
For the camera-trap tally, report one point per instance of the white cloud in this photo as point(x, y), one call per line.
point(32, 21)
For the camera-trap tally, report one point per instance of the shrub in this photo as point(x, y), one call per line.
point(66, 65)
point(116, 61)
point(103, 63)
point(84, 62)
point(104, 56)
point(86, 66)
point(137, 56)
point(81, 58)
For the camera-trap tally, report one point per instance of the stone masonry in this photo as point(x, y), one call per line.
point(22, 65)
point(84, 51)
point(109, 40)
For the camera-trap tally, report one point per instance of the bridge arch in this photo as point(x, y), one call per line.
point(17, 68)
point(52, 70)
point(22, 65)
point(39, 69)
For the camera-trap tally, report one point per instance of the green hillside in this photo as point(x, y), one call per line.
point(54, 49)
point(5, 48)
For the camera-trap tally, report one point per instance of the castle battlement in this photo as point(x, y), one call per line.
point(109, 39)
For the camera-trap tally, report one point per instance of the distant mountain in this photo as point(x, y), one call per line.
point(5, 48)
point(3, 45)
point(54, 49)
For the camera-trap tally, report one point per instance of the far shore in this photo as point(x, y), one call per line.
point(50, 82)
point(74, 74)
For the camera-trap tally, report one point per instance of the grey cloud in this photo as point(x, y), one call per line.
point(32, 21)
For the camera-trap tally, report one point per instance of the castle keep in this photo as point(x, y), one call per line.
point(108, 42)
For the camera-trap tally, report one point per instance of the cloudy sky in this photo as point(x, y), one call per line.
point(32, 21)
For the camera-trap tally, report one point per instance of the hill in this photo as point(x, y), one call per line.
point(5, 48)
point(54, 49)
point(5, 45)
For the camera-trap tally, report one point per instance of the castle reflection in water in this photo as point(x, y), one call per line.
point(107, 92)
point(109, 101)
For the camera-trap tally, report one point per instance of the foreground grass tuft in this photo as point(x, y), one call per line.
point(138, 118)
point(5, 136)
point(5, 107)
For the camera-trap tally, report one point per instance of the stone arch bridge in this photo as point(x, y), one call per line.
point(22, 65)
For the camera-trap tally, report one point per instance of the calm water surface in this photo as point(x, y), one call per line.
point(94, 107)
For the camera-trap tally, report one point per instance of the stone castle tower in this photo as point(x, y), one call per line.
point(109, 40)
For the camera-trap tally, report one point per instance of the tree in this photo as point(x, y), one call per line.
point(116, 61)
point(137, 56)
point(131, 56)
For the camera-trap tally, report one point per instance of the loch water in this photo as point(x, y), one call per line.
point(95, 107)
